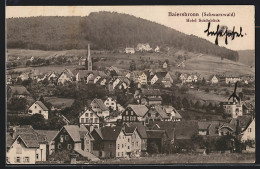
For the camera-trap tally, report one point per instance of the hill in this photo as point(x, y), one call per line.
point(103, 30)
point(247, 57)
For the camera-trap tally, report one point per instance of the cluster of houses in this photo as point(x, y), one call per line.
point(142, 47)
point(130, 139)
point(214, 79)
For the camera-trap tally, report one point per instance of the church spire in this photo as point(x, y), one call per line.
point(89, 59)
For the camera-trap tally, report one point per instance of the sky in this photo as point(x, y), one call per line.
point(244, 17)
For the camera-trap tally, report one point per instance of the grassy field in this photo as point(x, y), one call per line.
point(185, 159)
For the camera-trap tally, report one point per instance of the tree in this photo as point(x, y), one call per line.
point(198, 141)
point(132, 66)
point(154, 148)
point(203, 82)
point(184, 89)
point(17, 104)
point(37, 121)
point(197, 105)
point(185, 103)
point(132, 87)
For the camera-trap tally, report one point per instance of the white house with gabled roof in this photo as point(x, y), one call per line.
point(38, 108)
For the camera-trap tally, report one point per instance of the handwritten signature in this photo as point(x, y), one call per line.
point(223, 31)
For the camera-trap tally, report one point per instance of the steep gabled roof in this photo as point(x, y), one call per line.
point(50, 134)
point(140, 127)
point(161, 112)
point(110, 133)
point(100, 104)
point(42, 105)
point(168, 126)
point(76, 132)
point(140, 110)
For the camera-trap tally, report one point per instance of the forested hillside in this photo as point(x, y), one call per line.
point(104, 30)
point(247, 57)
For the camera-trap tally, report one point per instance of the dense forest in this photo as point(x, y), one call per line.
point(103, 30)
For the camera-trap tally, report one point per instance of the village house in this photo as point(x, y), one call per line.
point(73, 138)
point(99, 107)
point(172, 113)
point(82, 61)
point(143, 47)
point(134, 113)
point(157, 49)
point(50, 135)
point(24, 76)
point(233, 108)
point(163, 78)
point(111, 103)
point(38, 108)
point(130, 50)
point(143, 78)
point(89, 118)
point(123, 145)
point(141, 129)
point(232, 79)
point(25, 146)
point(156, 113)
point(134, 141)
point(167, 126)
point(31, 59)
point(156, 137)
point(165, 65)
point(65, 76)
point(105, 141)
point(249, 132)
point(17, 92)
point(151, 97)
point(52, 76)
point(213, 79)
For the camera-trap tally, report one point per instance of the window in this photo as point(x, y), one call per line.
point(249, 130)
point(69, 146)
point(118, 154)
point(110, 145)
point(118, 146)
point(26, 159)
point(137, 143)
point(87, 120)
point(91, 114)
point(37, 156)
point(128, 147)
point(132, 143)
point(95, 126)
point(128, 140)
point(59, 145)
point(122, 154)
point(96, 120)
point(61, 138)
point(18, 159)
point(87, 141)
point(91, 120)
point(122, 145)
point(112, 103)
point(86, 114)
point(82, 120)
point(40, 111)
point(35, 107)
point(126, 113)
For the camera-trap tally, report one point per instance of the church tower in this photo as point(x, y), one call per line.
point(89, 60)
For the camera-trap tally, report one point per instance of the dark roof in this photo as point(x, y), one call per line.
point(110, 133)
point(151, 92)
point(42, 105)
point(155, 133)
point(168, 126)
point(186, 129)
point(20, 90)
point(9, 140)
point(50, 134)
point(129, 129)
point(30, 140)
point(160, 76)
point(140, 128)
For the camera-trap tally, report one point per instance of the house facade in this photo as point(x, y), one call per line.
point(89, 118)
point(130, 50)
point(111, 103)
point(134, 113)
point(99, 107)
point(249, 132)
point(38, 108)
point(233, 108)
